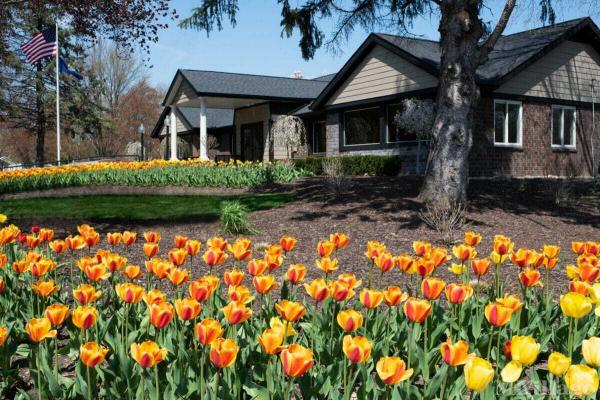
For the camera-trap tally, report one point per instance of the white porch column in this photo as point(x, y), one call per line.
point(173, 132)
point(203, 150)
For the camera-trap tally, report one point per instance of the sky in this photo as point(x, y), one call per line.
point(255, 44)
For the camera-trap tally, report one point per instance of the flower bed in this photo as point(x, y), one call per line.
point(148, 173)
point(78, 300)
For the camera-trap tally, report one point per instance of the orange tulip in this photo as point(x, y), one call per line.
point(480, 266)
point(581, 287)
point(502, 245)
point(45, 288)
point(510, 301)
point(349, 320)
point(233, 277)
point(236, 313)
point(392, 370)
point(200, 290)
point(3, 335)
point(91, 238)
point(264, 283)
point(96, 273)
point(340, 290)
point(588, 272)
point(132, 272)
point(274, 250)
point(432, 288)
point(58, 246)
point(214, 257)
point(472, 238)
point(129, 238)
point(421, 248)
point(147, 354)
point(371, 298)
point(405, 263)
point(497, 314)
point(3, 260)
point(417, 310)
point(179, 241)
point(187, 309)
point(424, 267)
point(295, 273)
point(455, 354)
point(327, 265)
point(271, 341)
point(240, 249)
point(325, 248)
point(92, 354)
point(384, 261)
point(374, 248)
point(273, 261)
point(46, 235)
point(33, 241)
point(129, 292)
point(350, 279)
point(257, 266)
point(296, 360)
point(217, 243)
point(193, 247)
point(2, 285)
point(42, 267)
point(178, 256)
point(20, 266)
point(339, 239)
point(287, 243)
point(159, 268)
point(457, 293)
point(56, 314)
point(439, 256)
point(239, 294)
point(84, 317)
point(530, 277)
point(223, 352)
point(551, 251)
point(152, 237)
point(85, 294)
point(150, 249)
point(394, 296)
point(114, 238)
point(290, 310)
point(592, 248)
point(357, 349)
point(161, 314)
point(317, 290)
point(39, 329)
point(208, 330)
point(114, 262)
point(154, 296)
point(178, 276)
point(74, 243)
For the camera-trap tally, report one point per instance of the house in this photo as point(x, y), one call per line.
point(536, 116)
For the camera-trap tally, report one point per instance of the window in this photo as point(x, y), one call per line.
point(361, 127)
point(507, 123)
point(563, 126)
point(319, 137)
point(395, 134)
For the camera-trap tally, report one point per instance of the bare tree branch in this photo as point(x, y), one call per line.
point(490, 42)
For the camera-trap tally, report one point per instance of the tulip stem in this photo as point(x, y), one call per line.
point(156, 381)
point(89, 383)
point(444, 383)
point(216, 384)
point(408, 345)
point(39, 372)
point(202, 373)
point(56, 357)
point(425, 354)
point(570, 338)
point(489, 349)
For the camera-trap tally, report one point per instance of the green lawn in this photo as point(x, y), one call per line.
point(136, 207)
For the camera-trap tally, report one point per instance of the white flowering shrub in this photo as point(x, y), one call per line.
point(416, 117)
point(289, 132)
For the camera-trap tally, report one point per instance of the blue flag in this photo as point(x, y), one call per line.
point(64, 69)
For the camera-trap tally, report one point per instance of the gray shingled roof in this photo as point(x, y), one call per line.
point(224, 83)
point(215, 117)
point(510, 50)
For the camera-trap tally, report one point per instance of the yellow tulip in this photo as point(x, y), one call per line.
point(392, 370)
point(524, 351)
point(575, 305)
point(591, 351)
point(558, 363)
point(478, 374)
point(581, 380)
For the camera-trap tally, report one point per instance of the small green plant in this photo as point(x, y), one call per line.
point(234, 218)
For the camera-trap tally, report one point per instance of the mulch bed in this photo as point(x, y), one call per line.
point(387, 209)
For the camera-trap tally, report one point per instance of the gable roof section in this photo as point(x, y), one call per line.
point(190, 117)
point(511, 54)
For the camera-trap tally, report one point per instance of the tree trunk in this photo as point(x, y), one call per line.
point(447, 170)
point(39, 105)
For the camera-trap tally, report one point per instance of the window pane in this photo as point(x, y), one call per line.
point(513, 123)
point(319, 137)
point(499, 111)
point(569, 126)
point(362, 127)
point(395, 134)
point(556, 113)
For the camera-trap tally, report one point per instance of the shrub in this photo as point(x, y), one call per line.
point(354, 165)
point(333, 170)
point(234, 218)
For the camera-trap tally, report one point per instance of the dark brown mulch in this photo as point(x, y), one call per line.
point(387, 209)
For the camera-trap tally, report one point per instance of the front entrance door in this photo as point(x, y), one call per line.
point(252, 142)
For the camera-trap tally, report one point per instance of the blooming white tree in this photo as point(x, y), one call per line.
point(289, 132)
point(416, 117)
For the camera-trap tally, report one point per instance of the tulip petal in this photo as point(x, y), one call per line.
point(511, 372)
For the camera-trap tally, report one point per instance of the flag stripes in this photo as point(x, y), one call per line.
point(42, 45)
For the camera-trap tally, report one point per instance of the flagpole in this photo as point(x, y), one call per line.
point(57, 97)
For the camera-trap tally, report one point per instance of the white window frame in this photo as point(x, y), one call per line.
point(562, 127)
point(505, 143)
point(313, 137)
point(362, 144)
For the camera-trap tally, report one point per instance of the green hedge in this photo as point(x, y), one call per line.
point(355, 165)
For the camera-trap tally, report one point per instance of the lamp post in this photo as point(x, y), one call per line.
point(141, 132)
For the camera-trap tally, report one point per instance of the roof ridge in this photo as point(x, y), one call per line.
point(247, 74)
point(407, 37)
point(580, 19)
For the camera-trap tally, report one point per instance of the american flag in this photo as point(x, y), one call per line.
point(43, 44)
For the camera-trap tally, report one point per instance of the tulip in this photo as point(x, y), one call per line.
point(502, 245)
point(394, 296)
point(147, 354)
point(558, 363)
point(464, 252)
point(524, 351)
point(317, 290)
point(551, 251)
point(339, 239)
point(214, 257)
point(457, 269)
point(33, 241)
point(207, 331)
point(497, 314)
point(161, 314)
point(178, 256)
point(58, 246)
point(152, 237)
point(296, 360)
point(114, 238)
point(84, 317)
point(349, 320)
point(239, 294)
point(179, 241)
point(424, 267)
point(325, 248)
point(417, 310)
point(271, 341)
point(97, 272)
point(392, 370)
point(578, 247)
point(151, 249)
point(129, 238)
point(86, 294)
point(472, 238)
point(132, 272)
point(92, 354)
point(74, 243)
point(510, 301)
point(340, 290)
point(432, 288)
point(290, 310)
point(240, 249)
point(581, 380)
point(357, 349)
point(287, 243)
point(217, 242)
point(421, 248)
point(478, 374)
point(264, 283)
point(327, 264)
point(530, 277)
point(178, 276)
point(384, 261)
point(39, 329)
point(129, 292)
point(3, 335)
point(296, 273)
point(257, 266)
point(233, 277)
point(591, 351)
point(592, 248)
point(154, 296)
point(236, 313)
point(277, 324)
point(223, 352)
point(56, 314)
point(159, 268)
point(575, 305)
point(405, 263)
point(200, 290)
point(480, 266)
point(45, 288)
point(187, 309)
point(455, 354)
point(274, 250)
point(580, 287)
point(457, 293)
point(193, 247)
point(350, 279)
